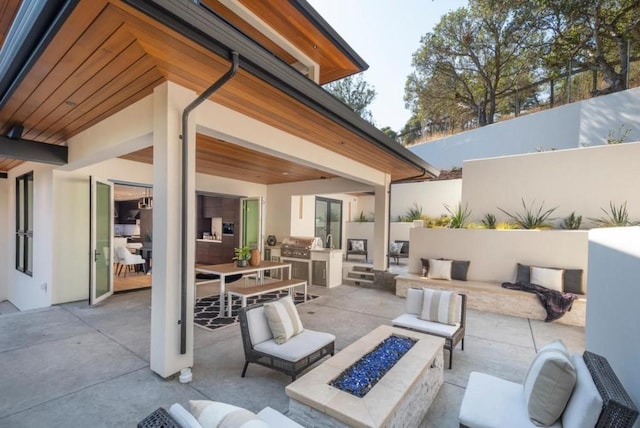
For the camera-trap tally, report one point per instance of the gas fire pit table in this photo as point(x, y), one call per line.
point(400, 398)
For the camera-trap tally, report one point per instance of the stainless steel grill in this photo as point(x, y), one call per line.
point(299, 247)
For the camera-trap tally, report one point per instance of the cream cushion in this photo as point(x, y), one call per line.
point(439, 269)
point(549, 278)
point(283, 319)
point(439, 306)
point(298, 346)
point(213, 414)
point(585, 405)
point(184, 418)
point(413, 304)
point(549, 384)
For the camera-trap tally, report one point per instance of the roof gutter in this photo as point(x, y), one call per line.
point(185, 270)
point(35, 24)
point(204, 27)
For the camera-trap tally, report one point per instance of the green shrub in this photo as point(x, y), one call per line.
point(413, 213)
point(615, 217)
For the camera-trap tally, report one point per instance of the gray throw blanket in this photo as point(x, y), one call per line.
point(554, 302)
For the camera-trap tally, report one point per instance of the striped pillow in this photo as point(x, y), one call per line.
point(283, 319)
point(439, 306)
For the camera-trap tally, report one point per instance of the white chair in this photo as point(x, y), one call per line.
point(126, 259)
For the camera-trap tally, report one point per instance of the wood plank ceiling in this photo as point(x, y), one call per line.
point(108, 55)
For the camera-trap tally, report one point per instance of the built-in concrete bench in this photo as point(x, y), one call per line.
point(245, 292)
point(491, 297)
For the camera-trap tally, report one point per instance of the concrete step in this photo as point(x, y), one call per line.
point(357, 282)
point(361, 275)
point(357, 268)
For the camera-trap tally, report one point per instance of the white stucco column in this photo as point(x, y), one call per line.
point(381, 225)
point(169, 101)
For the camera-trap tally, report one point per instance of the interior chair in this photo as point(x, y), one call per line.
point(436, 324)
point(126, 259)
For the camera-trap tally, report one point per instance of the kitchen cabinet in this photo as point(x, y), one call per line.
point(326, 267)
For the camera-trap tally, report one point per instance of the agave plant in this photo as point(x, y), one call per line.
point(571, 222)
point(531, 218)
point(489, 221)
point(413, 213)
point(459, 216)
point(617, 216)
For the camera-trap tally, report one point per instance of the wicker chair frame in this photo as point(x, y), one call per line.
point(290, 368)
point(618, 410)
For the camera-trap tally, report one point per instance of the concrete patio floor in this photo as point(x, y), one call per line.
point(73, 365)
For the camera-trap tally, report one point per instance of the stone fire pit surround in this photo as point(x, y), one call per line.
point(401, 398)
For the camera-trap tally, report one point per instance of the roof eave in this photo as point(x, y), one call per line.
point(214, 33)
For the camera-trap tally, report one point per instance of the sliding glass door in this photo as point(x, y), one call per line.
point(329, 221)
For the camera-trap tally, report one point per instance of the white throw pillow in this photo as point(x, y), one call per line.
point(585, 405)
point(549, 383)
point(213, 414)
point(395, 247)
point(357, 245)
point(439, 306)
point(283, 319)
point(439, 269)
point(549, 278)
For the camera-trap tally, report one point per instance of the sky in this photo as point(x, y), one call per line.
point(385, 33)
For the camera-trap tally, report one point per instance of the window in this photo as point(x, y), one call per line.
point(329, 220)
point(24, 223)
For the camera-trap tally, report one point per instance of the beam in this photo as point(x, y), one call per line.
point(33, 151)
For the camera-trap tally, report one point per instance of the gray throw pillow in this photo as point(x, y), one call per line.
point(523, 275)
point(459, 269)
point(425, 266)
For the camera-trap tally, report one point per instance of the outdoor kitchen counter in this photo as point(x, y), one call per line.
point(327, 267)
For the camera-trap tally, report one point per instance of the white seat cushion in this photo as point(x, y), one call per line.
point(298, 346)
point(413, 322)
point(491, 402)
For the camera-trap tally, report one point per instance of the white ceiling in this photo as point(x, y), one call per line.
point(123, 192)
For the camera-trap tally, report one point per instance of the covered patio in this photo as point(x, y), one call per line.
point(75, 365)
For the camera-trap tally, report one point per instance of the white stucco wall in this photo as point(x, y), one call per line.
point(5, 236)
point(583, 180)
point(569, 126)
point(495, 253)
point(432, 196)
point(614, 298)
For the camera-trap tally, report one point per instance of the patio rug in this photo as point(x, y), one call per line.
point(207, 310)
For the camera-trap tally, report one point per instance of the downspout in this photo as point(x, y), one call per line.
point(185, 154)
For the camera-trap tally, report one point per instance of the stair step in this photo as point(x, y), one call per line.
point(357, 282)
point(362, 269)
point(361, 275)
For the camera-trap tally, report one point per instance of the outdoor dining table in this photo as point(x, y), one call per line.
point(227, 269)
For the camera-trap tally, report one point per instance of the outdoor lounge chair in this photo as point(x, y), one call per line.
point(597, 400)
point(291, 357)
point(357, 247)
point(399, 250)
point(453, 334)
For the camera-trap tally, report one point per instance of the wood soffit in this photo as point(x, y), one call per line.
point(108, 55)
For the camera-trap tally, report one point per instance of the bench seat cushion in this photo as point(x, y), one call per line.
point(297, 347)
point(504, 399)
point(413, 322)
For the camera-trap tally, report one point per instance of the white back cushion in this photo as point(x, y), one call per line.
point(585, 405)
point(414, 301)
point(283, 319)
point(439, 306)
point(259, 330)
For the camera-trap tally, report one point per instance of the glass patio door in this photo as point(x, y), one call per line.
point(329, 220)
point(101, 226)
point(252, 223)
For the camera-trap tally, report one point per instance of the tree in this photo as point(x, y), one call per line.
point(390, 132)
point(592, 34)
point(473, 56)
point(355, 92)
